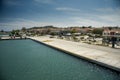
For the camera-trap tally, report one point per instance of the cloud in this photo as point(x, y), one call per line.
point(105, 10)
point(11, 2)
point(84, 21)
point(109, 14)
point(97, 20)
point(101, 17)
point(90, 22)
point(110, 18)
point(45, 1)
point(18, 23)
point(109, 10)
point(66, 9)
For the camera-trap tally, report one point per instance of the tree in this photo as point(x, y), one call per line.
point(97, 31)
point(23, 29)
point(109, 28)
point(15, 32)
point(83, 27)
point(73, 31)
point(89, 26)
point(2, 30)
point(53, 33)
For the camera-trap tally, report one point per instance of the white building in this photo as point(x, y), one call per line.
point(111, 33)
point(108, 34)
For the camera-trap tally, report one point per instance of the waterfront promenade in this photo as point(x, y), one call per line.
point(104, 56)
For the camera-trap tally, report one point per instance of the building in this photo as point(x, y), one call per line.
point(111, 35)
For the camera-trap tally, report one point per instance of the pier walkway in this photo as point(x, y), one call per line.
point(105, 56)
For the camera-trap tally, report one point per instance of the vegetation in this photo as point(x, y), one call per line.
point(23, 29)
point(73, 31)
point(89, 26)
point(97, 31)
point(2, 30)
point(53, 33)
point(15, 32)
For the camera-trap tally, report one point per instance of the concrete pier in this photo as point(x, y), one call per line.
point(9, 38)
point(104, 56)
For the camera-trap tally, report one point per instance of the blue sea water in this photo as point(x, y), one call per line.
point(28, 60)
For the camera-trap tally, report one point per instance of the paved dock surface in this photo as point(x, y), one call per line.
point(104, 56)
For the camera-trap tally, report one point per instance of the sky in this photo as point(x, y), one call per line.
point(15, 14)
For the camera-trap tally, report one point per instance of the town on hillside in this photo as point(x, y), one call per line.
point(103, 36)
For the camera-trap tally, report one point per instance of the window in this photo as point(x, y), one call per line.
point(112, 33)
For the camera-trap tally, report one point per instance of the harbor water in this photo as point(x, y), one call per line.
point(29, 60)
